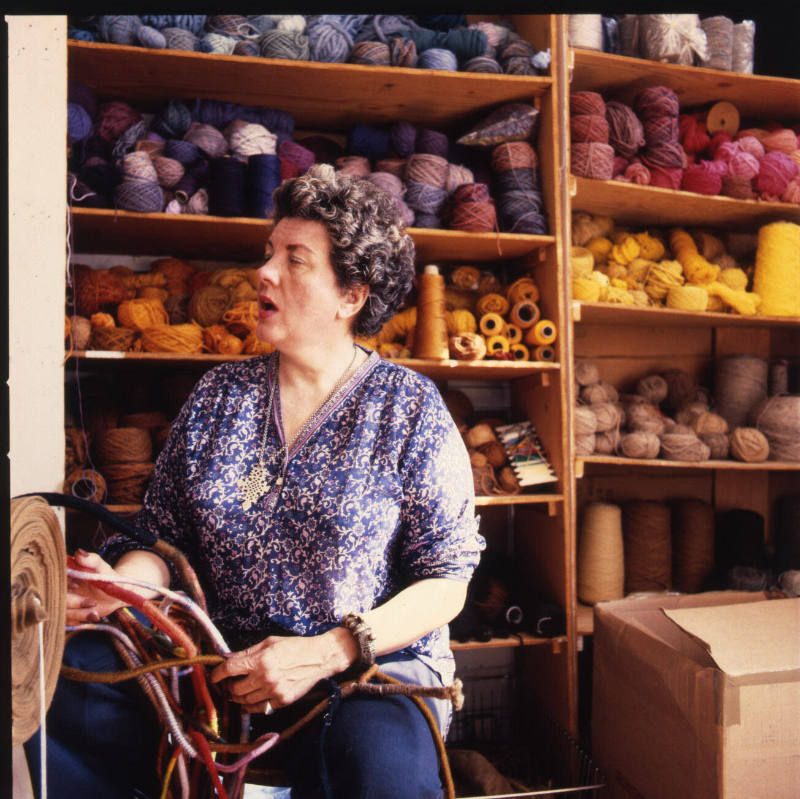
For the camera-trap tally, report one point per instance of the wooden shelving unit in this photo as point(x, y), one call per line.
point(331, 98)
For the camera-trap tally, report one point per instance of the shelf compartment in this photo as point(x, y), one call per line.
point(436, 370)
point(522, 639)
point(104, 230)
point(581, 464)
point(755, 96)
point(629, 203)
point(615, 314)
point(310, 91)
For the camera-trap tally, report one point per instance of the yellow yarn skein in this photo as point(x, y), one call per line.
point(687, 298)
point(460, 321)
point(600, 247)
point(696, 268)
point(581, 261)
point(585, 289)
point(744, 302)
point(650, 247)
point(777, 274)
point(625, 251)
point(734, 278)
point(662, 277)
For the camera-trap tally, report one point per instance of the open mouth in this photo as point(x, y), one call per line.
point(266, 304)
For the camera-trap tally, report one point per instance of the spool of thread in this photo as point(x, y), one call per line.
point(787, 532)
point(740, 382)
point(777, 272)
point(544, 332)
point(692, 545)
point(778, 419)
point(519, 352)
point(227, 185)
point(86, 484)
point(525, 314)
point(497, 345)
point(430, 334)
point(749, 445)
point(491, 324)
point(513, 333)
point(544, 353)
point(263, 177)
point(647, 541)
point(600, 567)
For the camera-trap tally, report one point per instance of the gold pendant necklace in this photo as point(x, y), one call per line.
point(257, 482)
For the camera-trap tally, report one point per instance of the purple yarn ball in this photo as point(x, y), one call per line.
point(79, 123)
point(433, 142)
point(143, 196)
point(403, 136)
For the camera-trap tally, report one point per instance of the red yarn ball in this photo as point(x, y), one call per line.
point(593, 160)
point(589, 127)
point(656, 101)
point(665, 177)
point(775, 171)
point(658, 130)
point(473, 217)
point(620, 164)
point(586, 103)
point(114, 118)
point(719, 138)
point(692, 133)
point(669, 155)
point(702, 178)
point(738, 187)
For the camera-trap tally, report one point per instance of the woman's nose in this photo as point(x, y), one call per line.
point(268, 270)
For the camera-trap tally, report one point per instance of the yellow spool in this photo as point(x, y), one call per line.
point(544, 353)
point(491, 324)
point(543, 332)
point(519, 352)
point(497, 344)
point(513, 333)
point(524, 314)
point(777, 274)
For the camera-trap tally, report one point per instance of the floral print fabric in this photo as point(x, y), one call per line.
point(377, 495)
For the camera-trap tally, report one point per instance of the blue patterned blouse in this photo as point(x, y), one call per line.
point(376, 496)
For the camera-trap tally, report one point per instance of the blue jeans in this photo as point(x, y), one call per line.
point(102, 740)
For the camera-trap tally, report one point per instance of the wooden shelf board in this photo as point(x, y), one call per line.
point(310, 91)
point(524, 639)
point(628, 203)
point(436, 370)
point(658, 463)
point(552, 500)
point(104, 230)
point(622, 78)
point(615, 314)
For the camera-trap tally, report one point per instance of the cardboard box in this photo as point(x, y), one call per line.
point(697, 696)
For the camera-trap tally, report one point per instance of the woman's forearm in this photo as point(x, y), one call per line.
point(140, 564)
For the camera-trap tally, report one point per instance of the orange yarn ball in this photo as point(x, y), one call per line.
point(96, 290)
point(141, 313)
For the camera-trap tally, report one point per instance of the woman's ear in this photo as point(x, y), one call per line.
point(353, 299)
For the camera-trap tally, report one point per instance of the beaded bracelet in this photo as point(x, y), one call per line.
point(362, 632)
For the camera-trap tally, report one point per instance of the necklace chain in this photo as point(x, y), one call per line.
point(257, 482)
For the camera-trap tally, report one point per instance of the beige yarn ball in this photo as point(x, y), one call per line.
point(645, 418)
point(607, 443)
point(585, 421)
point(640, 444)
point(690, 411)
point(749, 445)
point(584, 445)
point(608, 414)
point(684, 447)
point(586, 373)
point(600, 391)
point(653, 388)
point(707, 422)
point(718, 444)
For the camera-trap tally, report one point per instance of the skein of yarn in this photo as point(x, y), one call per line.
point(778, 418)
point(740, 382)
point(600, 568)
point(646, 529)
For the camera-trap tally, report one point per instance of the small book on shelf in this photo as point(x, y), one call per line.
point(526, 454)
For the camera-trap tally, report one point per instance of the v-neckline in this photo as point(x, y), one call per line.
point(319, 416)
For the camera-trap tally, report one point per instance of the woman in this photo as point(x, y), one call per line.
point(323, 494)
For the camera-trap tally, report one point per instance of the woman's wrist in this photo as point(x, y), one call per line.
point(343, 649)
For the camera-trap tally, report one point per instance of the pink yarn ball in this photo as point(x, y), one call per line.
point(620, 164)
point(593, 160)
point(775, 171)
point(719, 138)
point(665, 177)
point(791, 193)
point(702, 178)
point(743, 165)
point(638, 173)
point(692, 133)
point(750, 144)
point(783, 139)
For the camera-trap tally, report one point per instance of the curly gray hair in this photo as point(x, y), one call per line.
point(369, 245)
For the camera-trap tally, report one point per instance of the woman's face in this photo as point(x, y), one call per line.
point(299, 299)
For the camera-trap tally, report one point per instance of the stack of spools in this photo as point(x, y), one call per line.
point(517, 189)
point(644, 546)
point(215, 157)
point(172, 307)
point(440, 42)
point(485, 319)
point(702, 151)
point(491, 472)
point(669, 416)
point(687, 269)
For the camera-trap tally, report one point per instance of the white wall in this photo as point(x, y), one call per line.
point(37, 230)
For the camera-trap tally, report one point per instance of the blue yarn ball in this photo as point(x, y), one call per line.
point(217, 113)
point(119, 28)
point(329, 40)
point(247, 48)
point(436, 58)
point(179, 39)
point(81, 35)
point(190, 22)
point(465, 43)
point(79, 123)
point(262, 22)
point(143, 196)
point(425, 220)
point(152, 38)
point(371, 142)
point(173, 120)
point(424, 197)
point(216, 43)
point(382, 27)
point(186, 152)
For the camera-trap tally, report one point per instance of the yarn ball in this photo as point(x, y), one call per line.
point(584, 445)
point(593, 160)
point(586, 102)
point(586, 373)
point(684, 446)
point(281, 43)
point(585, 421)
point(96, 290)
point(208, 139)
point(589, 128)
point(749, 444)
point(114, 118)
point(141, 312)
point(607, 442)
point(718, 445)
point(775, 171)
point(640, 444)
point(599, 391)
point(645, 418)
point(371, 53)
point(79, 123)
point(703, 178)
point(608, 415)
point(625, 131)
point(208, 304)
point(653, 388)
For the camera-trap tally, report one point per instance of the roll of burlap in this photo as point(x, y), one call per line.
point(123, 445)
point(38, 594)
point(600, 571)
point(646, 529)
point(692, 544)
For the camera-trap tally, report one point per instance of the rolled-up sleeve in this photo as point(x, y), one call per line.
point(440, 529)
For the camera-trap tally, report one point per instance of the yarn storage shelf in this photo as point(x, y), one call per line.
point(629, 203)
point(515, 640)
point(656, 463)
point(608, 313)
point(753, 95)
point(312, 92)
point(102, 230)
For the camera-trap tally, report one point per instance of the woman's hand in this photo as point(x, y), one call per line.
point(85, 602)
point(280, 670)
